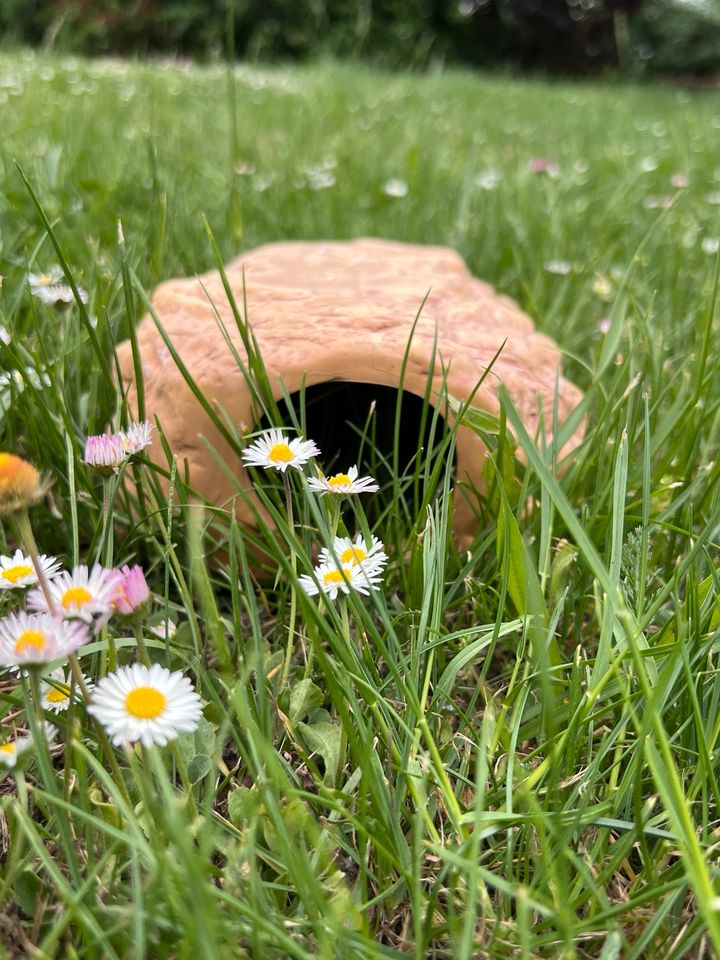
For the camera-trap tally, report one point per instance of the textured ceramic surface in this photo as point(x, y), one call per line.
point(340, 311)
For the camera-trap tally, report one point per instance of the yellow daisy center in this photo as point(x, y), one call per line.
point(58, 694)
point(7, 747)
point(333, 576)
point(32, 639)
point(145, 703)
point(340, 480)
point(280, 453)
point(13, 574)
point(353, 555)
point(75, 597)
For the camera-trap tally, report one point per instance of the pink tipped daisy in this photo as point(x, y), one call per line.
point(132, 595)
point(148, 704)
point(38, 638)
point(18, 571)
point(81, 594)
point(136, 437)
point(343, 484)
point(274, 451)
point(105, 452)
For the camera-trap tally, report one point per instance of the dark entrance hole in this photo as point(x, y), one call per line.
point(354, 423)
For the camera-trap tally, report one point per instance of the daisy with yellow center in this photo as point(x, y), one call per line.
point(55, 691)
point(12, 749)
point(331, 579)
point(50, 287)
point(38, 638)
point(18, 571)
point(82, 594)
point(274, 451)
point(20, 484)
point(342, 484)
point(146, 704)
point(371, 557)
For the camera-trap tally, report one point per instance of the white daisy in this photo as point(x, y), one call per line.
point(370, 557)
point(136, 437)
point(18, 571)
point(35, 638)
point(343, 483)
point(332, 579)
point(11, 750)
point(148, 704)
point(81, 594)
point(55, 691)
point(274, 451)
point(50, 288)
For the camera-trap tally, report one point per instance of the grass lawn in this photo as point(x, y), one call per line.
point(505, 752)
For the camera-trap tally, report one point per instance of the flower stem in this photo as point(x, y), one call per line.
point(293, 590)
point(185, 779)
point(141, 646)
point(27, 538)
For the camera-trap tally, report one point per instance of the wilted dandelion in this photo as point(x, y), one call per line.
point(38, 638)
point(274, 451)
point(148, 704)
point(18, 571)
point(343, 484)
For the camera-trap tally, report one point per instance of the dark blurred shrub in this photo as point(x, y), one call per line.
point(565, 36)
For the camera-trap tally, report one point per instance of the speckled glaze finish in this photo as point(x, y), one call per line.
point(341, 311)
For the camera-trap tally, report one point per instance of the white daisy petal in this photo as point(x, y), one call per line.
point(148, 704)
point(36, 638)
point(83, 595)
point(342, 484)
point(18, 571)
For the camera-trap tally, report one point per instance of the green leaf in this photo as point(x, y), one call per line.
point(305, 696)
point(326, 740)
point(27, 887)
point(199, 767)
point(242, 805)
point(199, 743)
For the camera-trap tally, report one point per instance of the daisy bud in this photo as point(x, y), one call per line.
point(132, 597)
point(105, 453)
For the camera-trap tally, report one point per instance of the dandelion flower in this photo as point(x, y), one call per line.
point(370, 556)
point(132, 595)
point(20, 484)
point(12, 749)
point(18, 571)
point(136, 437)
point(274, 451)
point(148, 704)
point(81, 594)
point(37, 638)
point(343, 483)
point(50, 289)
point(105, 452)
point(55, 691)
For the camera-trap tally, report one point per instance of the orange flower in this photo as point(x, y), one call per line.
point(20, 484)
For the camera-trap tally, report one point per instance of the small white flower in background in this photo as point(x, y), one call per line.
point(12, 749)
point(488, 179)
point(50, 288)
point(136, 437)
point(321, 176)
point(343, 483)
point(543, 165)
point(81, 594)
point(713, 198)
point(604, 325)
point(560, 267)
point(274, 451)
point(165, 630)
point(648, 164)
point(602, 287)
point(395, 188)
point(55, 691)
point(332, 579)
point(371, 557)
point(710, 245)
point(148, 704)
point(18, 571)
point(657, 203)
point(679, 181)
point(38, 638)
point(5, 335)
